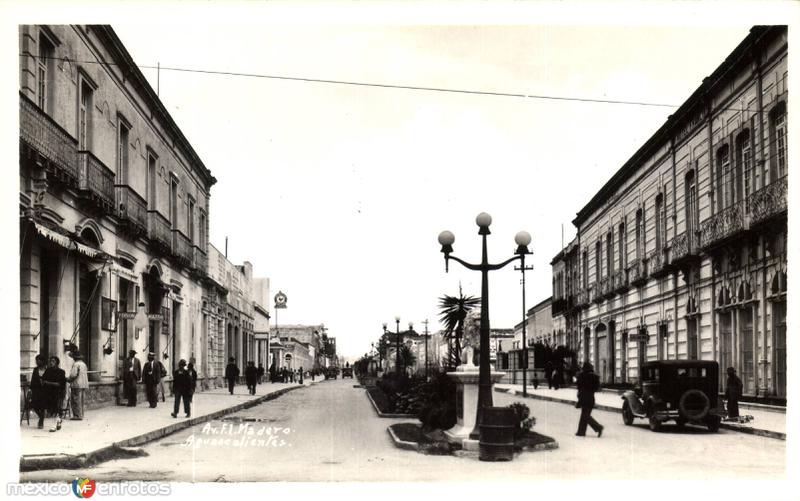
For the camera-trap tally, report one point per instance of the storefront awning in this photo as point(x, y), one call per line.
point(68, 243)
point(123, 272)
point(54, 236)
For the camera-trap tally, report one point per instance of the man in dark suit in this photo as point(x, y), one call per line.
point(133, 373)
point(182, 388)
point(231, 374)
point(733, 390)
point(588, 383)
point(151, 377)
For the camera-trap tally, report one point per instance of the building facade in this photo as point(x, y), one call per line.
point(114, 205)
point(682, 253)
point(539, 327)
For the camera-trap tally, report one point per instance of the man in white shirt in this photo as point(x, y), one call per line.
point(79, 383)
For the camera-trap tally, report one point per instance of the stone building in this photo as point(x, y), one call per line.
point(114, 205)
point(311, 335)
point(538, 327)
point(261, 326)
point(682, 253)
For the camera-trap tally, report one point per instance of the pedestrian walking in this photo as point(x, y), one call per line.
point(182, 388)
point(151, 376)
point(55, 383)
point(231, 374)
point(193, 388)
point(557, 377)
point(133, 373)
point(588, 384)
point(733, 390)
point(38, 390)
point(273, 374)
point(284, 375)
point(79, 383)
point(251, 377)
point(548, 374)
point(300, 372)
point(161, 390)
point(260, 372)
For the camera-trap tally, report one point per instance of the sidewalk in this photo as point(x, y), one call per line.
point(768, 421)
point(104, 431)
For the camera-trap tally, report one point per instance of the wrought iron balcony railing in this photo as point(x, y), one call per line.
point(722, 226)
point(607, 287)
point(620, 279)
point(657, 263)
point(131, 211)
point(769, 201)
point(158, 231)
point(637, 272)
point(199, 260)
point(42, 135)
point(96, 182)
point(181, 248)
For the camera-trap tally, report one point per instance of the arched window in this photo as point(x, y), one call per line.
point(692, 221)
point(724, 178)
point(621, 246)
point(743, 165)
point(778, 143)
point(661, 230)
point(640, 234)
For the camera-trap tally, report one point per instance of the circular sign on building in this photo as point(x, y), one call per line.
point(280, 300)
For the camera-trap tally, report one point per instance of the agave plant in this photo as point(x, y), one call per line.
point(453, 314)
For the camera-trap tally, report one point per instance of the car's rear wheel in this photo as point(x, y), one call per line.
point(655, 424)
point(694, 404)
point(627, 414)
point(713, 423)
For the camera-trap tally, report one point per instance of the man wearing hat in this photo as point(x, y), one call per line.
point(133, 372)
point(79, 383)
point(588, 383)
point(151, 375)
point(733, 390)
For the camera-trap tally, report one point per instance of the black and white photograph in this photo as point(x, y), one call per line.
point(384, 245)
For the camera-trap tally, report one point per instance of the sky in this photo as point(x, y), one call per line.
point(337, 192)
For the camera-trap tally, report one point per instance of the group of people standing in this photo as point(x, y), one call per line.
point(52, 390)
point(286, 375)
point(184, 382)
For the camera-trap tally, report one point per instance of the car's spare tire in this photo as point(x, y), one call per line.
point(694, 404)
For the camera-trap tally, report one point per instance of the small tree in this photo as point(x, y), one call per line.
point(407, 357)
point(453, 314)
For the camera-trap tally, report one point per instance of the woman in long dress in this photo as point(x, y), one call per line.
point(55, 383)
point(38, 392)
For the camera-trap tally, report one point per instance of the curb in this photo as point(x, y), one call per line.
point(386, 414)
point(750, 431)
point(401, 444)
point(70, 461)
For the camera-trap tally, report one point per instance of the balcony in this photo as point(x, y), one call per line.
point(95, 182)
point(620, 279)
point(158, 231)
point(52, 147)
point(199, 261)
point(594, 293)
point(722, 226)
point(582, 298)
point(181, 248)
point(657, 263)
point(769, 202)
point(637, 272)
point(131, 211)
point(607, 287)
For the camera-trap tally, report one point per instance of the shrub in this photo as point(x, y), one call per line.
point(524, 422)
point(436, 403)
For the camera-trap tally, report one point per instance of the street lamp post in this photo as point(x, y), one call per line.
point(446, 240)
point(524, 268)
point(397, 346)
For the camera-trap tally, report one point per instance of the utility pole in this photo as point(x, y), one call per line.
point(426, 348)
point(523, 269)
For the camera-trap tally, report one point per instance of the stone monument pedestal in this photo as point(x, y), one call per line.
point(466, 378)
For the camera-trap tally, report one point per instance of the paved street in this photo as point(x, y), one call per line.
point(329, 432)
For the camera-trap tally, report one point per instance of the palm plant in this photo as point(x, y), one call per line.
point(407, 357)
point(453, 314)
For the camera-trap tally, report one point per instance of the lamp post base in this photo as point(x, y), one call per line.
point(466, 379)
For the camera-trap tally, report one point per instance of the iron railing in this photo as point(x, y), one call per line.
point(42, 134)
point(131, 210)
point(769, 201)
point(181, 248)
point(96, 181)
point(158, 231)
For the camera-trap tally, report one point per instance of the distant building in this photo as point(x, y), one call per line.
point(538, 327)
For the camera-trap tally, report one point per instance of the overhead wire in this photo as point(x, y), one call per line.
point(396, 86)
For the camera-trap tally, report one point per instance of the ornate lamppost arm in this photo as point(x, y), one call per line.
point(475, 267)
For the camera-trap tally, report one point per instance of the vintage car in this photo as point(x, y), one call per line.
point(331, 373)
point(347, 372)
point(685, 391)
